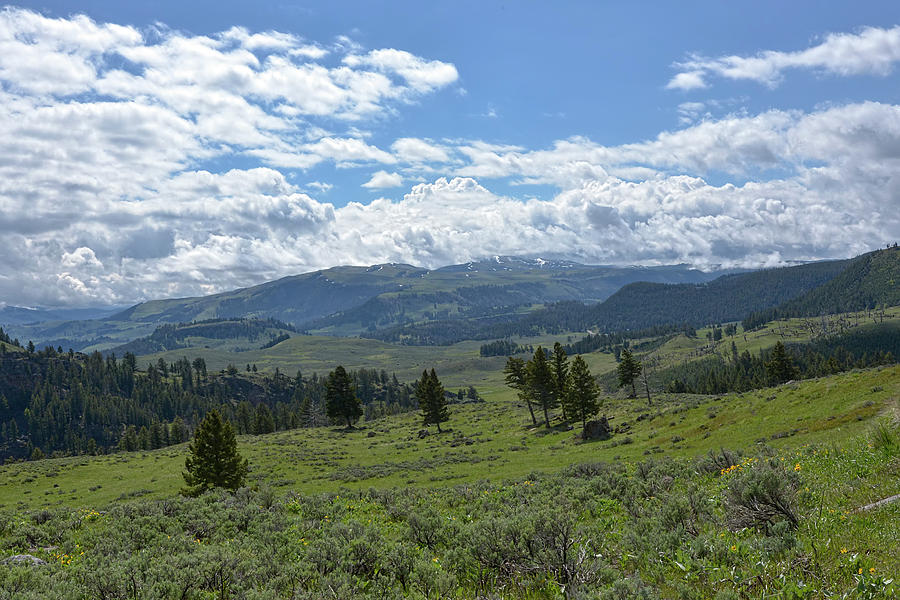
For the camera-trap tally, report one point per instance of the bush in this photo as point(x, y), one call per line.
point(761, 496)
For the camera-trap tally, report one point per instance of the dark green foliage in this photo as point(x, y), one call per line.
point(432, 400)
point(72, 403)
point(515, 377)
point(866, 346)
point(628, 370)
point(341, 402)
point(503, 348)
point(780, 367)
point(559, 366)
point(213, 459)
point(541, 384)
point(870, 281)
point(175, 336)
point(275, 341)
point(582, 394)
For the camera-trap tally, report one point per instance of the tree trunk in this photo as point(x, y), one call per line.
point(439, 427)
point(546, 417)
point(531, 410)
point(647, 389)
point(633, 390)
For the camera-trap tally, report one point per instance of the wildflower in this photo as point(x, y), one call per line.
point(872, 570)
point(734, 548)
point(797, 467)
point(843, 551)
point(860, 571)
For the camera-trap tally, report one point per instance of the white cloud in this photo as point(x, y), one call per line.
point(111, 189)
point(415, 150)
point(872, 51)
point(383, 179)
point(421, 75)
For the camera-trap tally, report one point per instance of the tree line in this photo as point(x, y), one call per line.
point(71, 403)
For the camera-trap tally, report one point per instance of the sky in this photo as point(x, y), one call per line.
point(169, 149)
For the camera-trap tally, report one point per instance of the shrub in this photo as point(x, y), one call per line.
point(762, 496)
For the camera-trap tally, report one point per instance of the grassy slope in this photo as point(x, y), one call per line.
point(504, 445)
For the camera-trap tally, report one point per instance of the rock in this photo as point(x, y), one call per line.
point(596, 430)
point(424, 433)
point(23, 560)
point(370, 434)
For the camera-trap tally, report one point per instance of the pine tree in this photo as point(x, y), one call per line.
point(541, 384)
point(559, 364)
point(515, 378)
point(263, 421)
point(583, 392)
point(780, 368)
point(213, 459)
point(432, 400)
point(628, 370)
point(340, 397)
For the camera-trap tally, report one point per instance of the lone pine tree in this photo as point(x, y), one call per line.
point(432, 401)
point(340, 397)
point(213, 460)
point(628, 370)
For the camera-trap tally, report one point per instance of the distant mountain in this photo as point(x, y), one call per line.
point(17, 315)
point(639, 305)
point(352, 300)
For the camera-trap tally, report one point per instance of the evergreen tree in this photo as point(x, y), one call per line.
point(340, 397)
point(432, 401)
point(582, 391)
point(541, 384)
point(515, 378)
point(628, 370)
point(559, 364)
point(780, 368)
point(213, 459)
point(263, 421)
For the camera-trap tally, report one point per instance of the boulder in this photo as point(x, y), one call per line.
point(23, 560)
point(596, 430)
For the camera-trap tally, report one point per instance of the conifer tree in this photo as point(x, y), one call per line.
point(340, 397)
point(541, 384)
point(628, 370)
point(515, 378)
point(583, 392)
point(432, 401)
point(559, 364)
point(213, 460)
point(263, 421)
point(780, 368)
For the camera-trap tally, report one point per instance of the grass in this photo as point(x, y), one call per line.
point(494, 438)
point(632, 527)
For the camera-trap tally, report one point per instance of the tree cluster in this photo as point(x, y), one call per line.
point(549, 382)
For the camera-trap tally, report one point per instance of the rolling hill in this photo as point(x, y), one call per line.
point(351, 300)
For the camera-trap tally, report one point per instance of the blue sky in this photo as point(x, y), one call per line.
point(173, 148)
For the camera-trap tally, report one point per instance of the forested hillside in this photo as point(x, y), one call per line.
point(250, 332)
point(870, 281)
point(638, 306)
point(74, 403)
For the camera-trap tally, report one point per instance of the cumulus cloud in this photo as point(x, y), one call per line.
point(383, 179)
point(112, 188)
point(872, 51)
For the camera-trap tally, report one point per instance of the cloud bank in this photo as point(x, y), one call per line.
point(137, 164)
